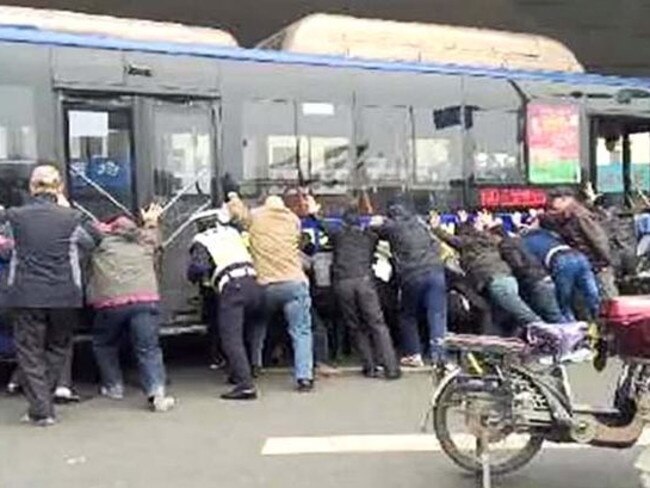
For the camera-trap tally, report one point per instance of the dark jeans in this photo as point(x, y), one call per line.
point(142, 322)
point(362, 314)
point(504, 293)
point(542, 297)
point(428, 292)
point(240, 309)
point(43, 338)
point(572, 273)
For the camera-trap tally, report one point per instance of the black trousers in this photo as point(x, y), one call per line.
point(43, 338)
point(241, 305)
point(481, 308)
point(361, 311)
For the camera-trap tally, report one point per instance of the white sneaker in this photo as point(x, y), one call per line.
point(414, 361)
point(112, 392)
point(161, 403)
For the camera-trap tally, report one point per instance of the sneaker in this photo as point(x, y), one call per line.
point(13, 389)
point(304, 385)
point(64, 395)
point(326, 371)
point(161, 403)
point(414, 361)
point(112, 392)
point(38, 421)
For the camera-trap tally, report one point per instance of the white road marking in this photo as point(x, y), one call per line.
point(285, 446)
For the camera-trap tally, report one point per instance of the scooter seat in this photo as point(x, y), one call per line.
point(626, 309)
point(483, 344)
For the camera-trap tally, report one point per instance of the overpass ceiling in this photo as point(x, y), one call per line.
point(607, 36)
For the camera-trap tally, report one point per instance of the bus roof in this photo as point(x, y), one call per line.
point(47, 37)
point(124, 28)
point(410, 41)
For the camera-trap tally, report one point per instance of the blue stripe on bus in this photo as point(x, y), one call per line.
point(32, 35)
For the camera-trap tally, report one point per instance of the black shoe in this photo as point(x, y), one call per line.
point(370, 371)
point(305, 386)
point(240, 394)
point(256, 371)
point(393, 375)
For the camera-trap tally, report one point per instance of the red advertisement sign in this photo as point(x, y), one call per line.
point(553, 143)
point(492, 198)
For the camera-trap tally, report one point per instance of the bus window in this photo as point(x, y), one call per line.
point(100, 163)
point(437, 146)
point(383, 149)
point(183, 150)
point(17, 143)
point(270, 147)
point(17, 127)
point(325, 132)
point(609, 165)
point(640, 159)
point(493, 135)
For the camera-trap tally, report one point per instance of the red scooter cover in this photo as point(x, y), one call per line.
point(628, 319)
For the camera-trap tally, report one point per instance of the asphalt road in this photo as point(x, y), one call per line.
point(206, 442)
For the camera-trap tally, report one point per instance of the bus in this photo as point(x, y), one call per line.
point(132, 117)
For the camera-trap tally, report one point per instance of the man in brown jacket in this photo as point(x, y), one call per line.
point(274, 241)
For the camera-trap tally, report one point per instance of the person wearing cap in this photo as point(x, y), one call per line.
point(221, 261)
point(354, 288)
point(45, 239)
point(581, 230)
point(274, 232)
point(123, 291)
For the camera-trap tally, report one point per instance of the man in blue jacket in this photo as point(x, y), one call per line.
point(570, 269)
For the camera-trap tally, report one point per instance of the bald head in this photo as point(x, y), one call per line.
point(45, 179)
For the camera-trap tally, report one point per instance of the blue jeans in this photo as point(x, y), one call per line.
point(142, 322)
point(504, 293)
point(572, 272)
point(542, 297)
point(427, 291)
point(294, 300)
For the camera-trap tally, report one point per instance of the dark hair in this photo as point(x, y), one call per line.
point(561, 192)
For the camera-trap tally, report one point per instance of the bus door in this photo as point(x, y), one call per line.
point(181, 149)
point(100, 162)
point(621, 158)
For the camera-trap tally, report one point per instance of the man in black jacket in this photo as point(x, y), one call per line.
point(356, 295)
point(421, 280)
point(44, 286)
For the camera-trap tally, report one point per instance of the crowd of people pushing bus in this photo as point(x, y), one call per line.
point(255, 267)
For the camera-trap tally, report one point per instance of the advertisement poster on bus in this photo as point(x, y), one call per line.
point(553, 143)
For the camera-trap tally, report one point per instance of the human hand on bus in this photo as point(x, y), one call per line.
point(62, 201)
point(313, 207)
point(151, 215)
point(434, 220)
point(376, 221)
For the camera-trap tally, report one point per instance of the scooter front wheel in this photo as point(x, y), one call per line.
point(508, 452)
